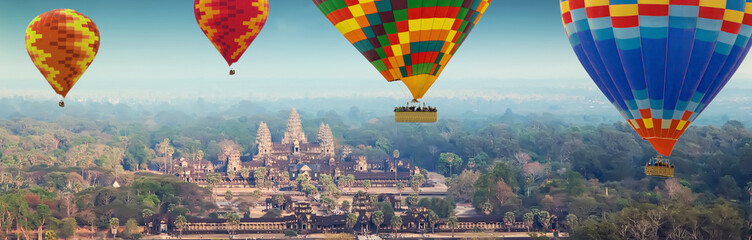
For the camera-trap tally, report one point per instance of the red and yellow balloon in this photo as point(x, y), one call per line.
point(62, 43)
point(231, 25)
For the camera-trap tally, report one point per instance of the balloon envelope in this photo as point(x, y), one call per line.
point(660, 62)
point(408, 40)
point(62, 43)
point(231, 25)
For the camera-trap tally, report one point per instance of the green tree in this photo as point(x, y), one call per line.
point(232, 220)
point(325, 180)
point(50, 235)
point(545, 219)
point(259, 176)
point(384, 144)
point(228, 195)
point(351, 219)
point(528, 220)
point(366, 184)
point(310, 190)
point(509, 220)
point(413, 199)
point(279, 199)
point(284, 178)
point(256, 195)
point(487, 207)
point(729, 188)
point(346, 181)
point(114, 225)
point(396, 222)
point(400, 187)
point(574, 184)
point(213, 178)
point(572, 222)
point(328, 203)
point(377, 218)
point(131, 228)
point(345, 206)
point(68, 227)
point(302, 180)
point(245, 173)
point(290, 233)
point(180, 224)
point(146, 215)
point(231, 174)
point(481, 160)
point(433, 218)
point(334, 191)
point(43, 213)
point(452, 222)
point(416, 181)
point(449, 161)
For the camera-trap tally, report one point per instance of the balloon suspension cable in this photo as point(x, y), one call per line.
point(61, 103)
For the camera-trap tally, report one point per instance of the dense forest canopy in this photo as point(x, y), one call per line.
point(509, 165)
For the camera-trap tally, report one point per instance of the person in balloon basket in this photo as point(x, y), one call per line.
point(554, 222)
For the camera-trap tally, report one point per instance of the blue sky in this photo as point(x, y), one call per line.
point(155, 47)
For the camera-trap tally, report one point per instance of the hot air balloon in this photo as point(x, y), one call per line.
point(231, 25)
point(62, 43)
point(406, 40)
point(660, 62)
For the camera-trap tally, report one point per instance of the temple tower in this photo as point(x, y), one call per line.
point(232, 157)
point(294, 129)
point(264, 140)
point(326, 139)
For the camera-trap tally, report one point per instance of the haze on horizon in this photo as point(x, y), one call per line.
point(155, 50)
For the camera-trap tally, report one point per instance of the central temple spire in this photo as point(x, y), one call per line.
point(294, 129)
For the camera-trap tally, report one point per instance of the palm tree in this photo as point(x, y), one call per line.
point(256, 195)
point(433, 218)
point(571, 222)
point(395, 155)
point(487, 207)
point(259, 176)
point(231, 175)
point(213, 178)
point(114, 224)
point(232, 221)
point(528, 220)
point(377, 218)
point(180, 224)
point(351, 219)
point(366, 184)
point(545, 219)
point(400, 187)
point(396, 222)
point(245, 173)
point(453, 224)
point(450, 159)
point(146, 214)
point(509, 220)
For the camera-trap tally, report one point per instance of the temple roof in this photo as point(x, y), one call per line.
point(380, 175)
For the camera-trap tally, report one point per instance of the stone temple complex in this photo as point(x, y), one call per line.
point(295, 155)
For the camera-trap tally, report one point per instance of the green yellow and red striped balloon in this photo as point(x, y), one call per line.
point(407, 40)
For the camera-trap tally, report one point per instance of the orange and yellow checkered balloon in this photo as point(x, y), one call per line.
point(62, 43)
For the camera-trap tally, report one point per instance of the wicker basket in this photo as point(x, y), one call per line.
point(416, 117)
point(659, 171)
